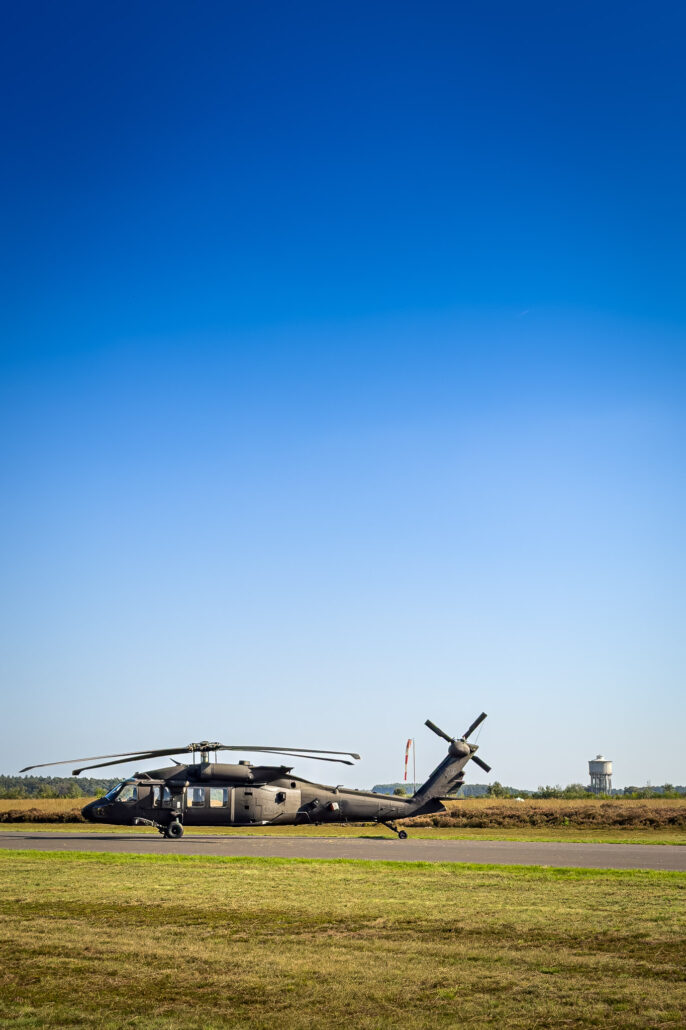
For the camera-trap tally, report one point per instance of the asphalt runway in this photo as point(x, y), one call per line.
point(590, 856)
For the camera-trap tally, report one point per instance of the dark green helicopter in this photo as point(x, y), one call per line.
point(209, 793)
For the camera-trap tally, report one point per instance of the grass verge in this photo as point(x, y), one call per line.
point(176, 941)
point(562, 834)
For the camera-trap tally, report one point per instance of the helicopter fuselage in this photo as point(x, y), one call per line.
point(218, 794)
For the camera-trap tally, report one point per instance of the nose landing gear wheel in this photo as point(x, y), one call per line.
point(174, 831)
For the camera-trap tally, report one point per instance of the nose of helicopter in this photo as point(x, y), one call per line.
point(94, 810)
point(87, 811)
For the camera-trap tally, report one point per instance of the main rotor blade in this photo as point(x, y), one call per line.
point(118, 754)
point(316, 758)
point(132, 758)
point(124, 757)
point(477, 722)
point(482, 764)
point(438, 730)
point(284, 749)
point(266, 751)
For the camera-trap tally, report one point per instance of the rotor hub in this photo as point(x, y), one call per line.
point(460, 749)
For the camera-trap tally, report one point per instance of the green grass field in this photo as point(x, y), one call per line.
point(113, 941)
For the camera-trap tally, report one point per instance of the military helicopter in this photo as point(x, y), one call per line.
point(207, 793)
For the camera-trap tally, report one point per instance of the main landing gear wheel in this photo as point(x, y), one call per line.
point(402, 835)
point(174, 831)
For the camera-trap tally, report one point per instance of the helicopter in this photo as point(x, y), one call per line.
point(211, 793)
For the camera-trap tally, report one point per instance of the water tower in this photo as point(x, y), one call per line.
point(600, 770)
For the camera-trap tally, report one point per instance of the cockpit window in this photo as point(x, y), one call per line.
point(129, 792)
point(112, 792)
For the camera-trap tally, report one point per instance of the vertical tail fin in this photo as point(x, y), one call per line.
point(449, 774)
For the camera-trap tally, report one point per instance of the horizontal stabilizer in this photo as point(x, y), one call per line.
point(430, 807)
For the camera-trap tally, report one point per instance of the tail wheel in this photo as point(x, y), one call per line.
point(174, 831)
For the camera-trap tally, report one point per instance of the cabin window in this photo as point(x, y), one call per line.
point(196, 797)
point(129, 792)
point(219, 797)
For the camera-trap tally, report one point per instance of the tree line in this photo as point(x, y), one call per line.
point(54, 786)
point(572, 792)
point(577, 791)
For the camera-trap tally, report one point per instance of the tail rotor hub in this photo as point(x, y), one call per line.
point(460, 749)
point(458, 746)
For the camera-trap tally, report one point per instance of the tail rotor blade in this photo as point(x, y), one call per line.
point(477, 722)
point(481, 764)
point(438, 730)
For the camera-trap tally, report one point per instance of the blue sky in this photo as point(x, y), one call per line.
point(342, 381)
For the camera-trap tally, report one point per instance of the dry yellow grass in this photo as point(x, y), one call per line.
point(50, 805)
point(617, 812)
point(42, 809)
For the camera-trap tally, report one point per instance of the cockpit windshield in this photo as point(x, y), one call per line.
point(127, 791)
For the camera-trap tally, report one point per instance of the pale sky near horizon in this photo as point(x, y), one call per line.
point(342, 383)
